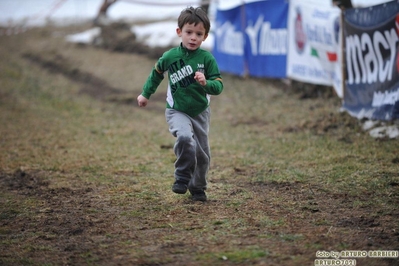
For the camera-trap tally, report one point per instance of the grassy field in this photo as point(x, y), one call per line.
point(86, 175)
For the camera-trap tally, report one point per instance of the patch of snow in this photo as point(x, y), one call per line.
point(369, 124)
point(158, 34)
point(391, 132)
point(86, 37)
point(163, 34)
point(380, 129)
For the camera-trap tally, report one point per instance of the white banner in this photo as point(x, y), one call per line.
point(314, 46)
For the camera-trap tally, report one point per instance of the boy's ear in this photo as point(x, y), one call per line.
point(206, 36)
point(178, 31)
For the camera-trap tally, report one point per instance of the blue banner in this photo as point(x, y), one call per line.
point(229, 41)
point(252, 39)
point(372, 61)
point(266, 38)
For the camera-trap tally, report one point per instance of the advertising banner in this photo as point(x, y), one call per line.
point(252, 39)
point(266, 38)
point(314, 52)
point(229, 41)
point(372, 61)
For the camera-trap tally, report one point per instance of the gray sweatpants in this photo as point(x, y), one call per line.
point(191, 147)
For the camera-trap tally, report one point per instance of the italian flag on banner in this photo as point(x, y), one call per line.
point(324, 55)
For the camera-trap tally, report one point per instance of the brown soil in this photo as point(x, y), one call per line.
point(79, 221)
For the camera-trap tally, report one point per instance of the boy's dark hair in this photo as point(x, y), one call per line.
point(192, 15)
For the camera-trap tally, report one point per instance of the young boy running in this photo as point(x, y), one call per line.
point(193, 76)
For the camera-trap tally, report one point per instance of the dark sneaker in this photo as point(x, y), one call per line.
point(198, 195)
point(179, 187)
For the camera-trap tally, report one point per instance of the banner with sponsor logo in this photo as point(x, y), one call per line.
point(314, 52)
point(252, 39)
point(266, 38)
point(372, 61)
point(229, 41)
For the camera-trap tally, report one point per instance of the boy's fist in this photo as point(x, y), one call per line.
point(142, 101)
point(200, 78)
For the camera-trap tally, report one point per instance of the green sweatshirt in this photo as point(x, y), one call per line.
point(185, 94)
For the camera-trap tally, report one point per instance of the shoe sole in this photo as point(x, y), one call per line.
point(179, 191)
point(199, 199)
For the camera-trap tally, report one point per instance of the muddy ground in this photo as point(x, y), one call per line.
point(79, 227)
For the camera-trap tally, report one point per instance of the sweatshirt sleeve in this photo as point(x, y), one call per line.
point(214, 87)
point(154, 79)
point(214, 82)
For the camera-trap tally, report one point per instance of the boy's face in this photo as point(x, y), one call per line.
point(192, 35)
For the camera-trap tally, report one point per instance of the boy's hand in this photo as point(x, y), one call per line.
point(200, 78)
point(142, 101)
